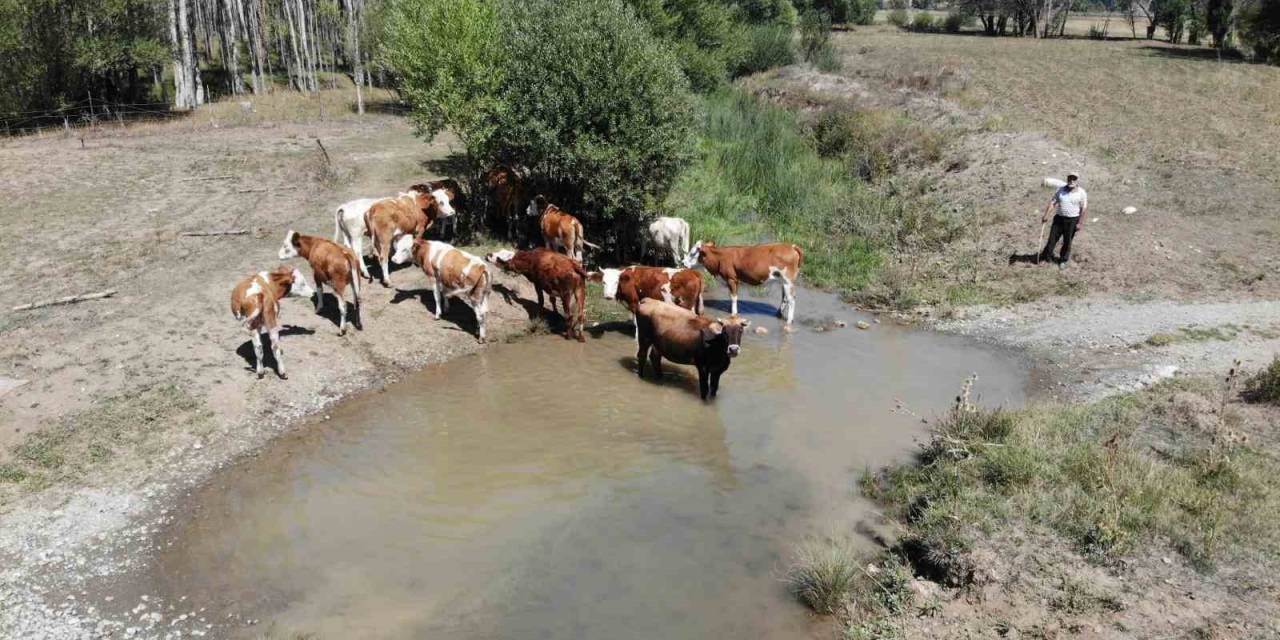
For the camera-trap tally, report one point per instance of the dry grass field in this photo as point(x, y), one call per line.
point(1186, 139)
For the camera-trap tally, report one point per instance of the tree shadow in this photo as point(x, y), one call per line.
point(245, 350)
point(390, 107)
point(1193, 53)
point(454, 165)
point(623, 327)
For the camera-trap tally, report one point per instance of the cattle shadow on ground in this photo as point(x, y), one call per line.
point(745, 307)
point(675, 375)
point(1031, 258)
point(375, 269)
point(245, 350)
point(459, 313)
point(330, 312)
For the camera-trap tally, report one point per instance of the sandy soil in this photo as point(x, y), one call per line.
point(164, 354)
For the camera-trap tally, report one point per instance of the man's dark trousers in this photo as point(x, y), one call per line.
point(1065, 228)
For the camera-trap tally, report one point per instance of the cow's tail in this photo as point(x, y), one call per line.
point(799, 255)
point(483, 286)
point(337, 225)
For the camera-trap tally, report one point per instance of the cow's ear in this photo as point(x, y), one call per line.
point(595, 276)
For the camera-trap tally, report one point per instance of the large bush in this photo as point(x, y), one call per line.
point(1260, 29)
point(579, 92)
point(709, 38)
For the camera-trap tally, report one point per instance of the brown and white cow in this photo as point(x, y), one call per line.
point(255, 302)
point(754, 265)
point(630, 285)
point(560, 230)
point(558, 275)
point(509, 193)
point(351, 219)
point(664, 330)
point(412, 213)
point(331, 264)
point(453, 195)
point(453, 273)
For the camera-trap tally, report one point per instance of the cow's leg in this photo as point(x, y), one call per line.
point(357, 245)
point(702, 381)
point(568, 316)
point(715, 382)
point(277, 350)
point(256, 337)
point(655, 359)
point(642, 352)
point(733, 296)
point(538, 290)
point(439, 296)
point(319, 295)
point(480, 307)
point(789, 295)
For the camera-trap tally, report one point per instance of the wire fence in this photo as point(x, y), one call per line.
point(92, 114)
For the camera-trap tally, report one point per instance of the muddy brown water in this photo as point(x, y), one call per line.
point(541, 490)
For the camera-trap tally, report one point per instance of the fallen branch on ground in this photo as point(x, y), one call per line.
point(67, 300)
point(262, 189)
point(202, 178)
point(198, 234)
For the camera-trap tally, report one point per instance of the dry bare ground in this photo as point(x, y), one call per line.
point(132, 396)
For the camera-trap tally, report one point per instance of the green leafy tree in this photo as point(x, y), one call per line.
point(595, 106)
point(1260, 29)
point(451, 65)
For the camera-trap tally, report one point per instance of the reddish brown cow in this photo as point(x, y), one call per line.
point(509, 194)
point(559, 275)
point(331, 264)
point(754, 265)
point(411, 213)
point(255, 302)
point(666, 331)
point(560, 230)
point(452, 273)
point(628, 286)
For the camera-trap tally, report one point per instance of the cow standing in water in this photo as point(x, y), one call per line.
point(630, 285)
point(664, 330)
point(754, 265)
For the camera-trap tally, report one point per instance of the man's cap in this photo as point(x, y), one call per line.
point(1073, 176)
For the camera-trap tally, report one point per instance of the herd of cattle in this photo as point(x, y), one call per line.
point(666, 303)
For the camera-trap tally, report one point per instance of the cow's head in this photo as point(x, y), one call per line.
point(295, 283)
point(695, 254)
point(403, 248)
point(536, 206)
point(501, 257)
point(290, 247)
point(443, 202)
point(731, 330)
point(608, 278)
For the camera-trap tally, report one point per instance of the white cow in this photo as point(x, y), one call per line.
point(670, 236)
point(349, 225)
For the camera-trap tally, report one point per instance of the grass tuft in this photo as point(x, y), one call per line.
point(824, 574)
point(1264, 386)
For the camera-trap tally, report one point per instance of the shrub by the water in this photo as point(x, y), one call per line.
point(815, 41)
point(899, 18)
point(923, 22)
point(768, 46)
point(1264, 386)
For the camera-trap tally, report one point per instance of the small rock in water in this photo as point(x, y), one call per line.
point(760, 331)
point(863, 324)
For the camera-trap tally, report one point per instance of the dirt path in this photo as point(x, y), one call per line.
point(121, 402)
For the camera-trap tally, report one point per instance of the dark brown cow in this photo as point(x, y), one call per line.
point(559, 275)
point(628, 286)
point(411, 213)
point(754, 265)
point(509, 194)
point(255, 302)
point(560, 230)
point(664, 330)
point(332, 264)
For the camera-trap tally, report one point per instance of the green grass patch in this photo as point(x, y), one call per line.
point(1109, 477)
point(115, 428)
point(761, 177)
point(1224, 333)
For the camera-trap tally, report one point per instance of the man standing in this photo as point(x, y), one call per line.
point(1072, 203)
